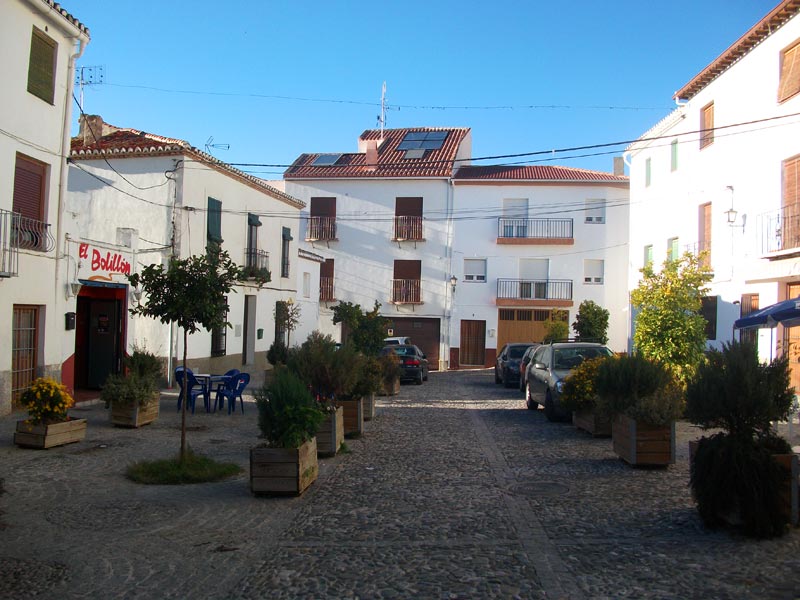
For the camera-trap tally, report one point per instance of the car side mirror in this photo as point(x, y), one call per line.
point(540, 366)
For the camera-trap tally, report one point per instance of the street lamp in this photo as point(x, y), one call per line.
point(453, 282)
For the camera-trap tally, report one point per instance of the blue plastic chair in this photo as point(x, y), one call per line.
point(233, 390)
point(195, 389)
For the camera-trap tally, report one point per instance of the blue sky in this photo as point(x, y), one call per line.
point(274, 79)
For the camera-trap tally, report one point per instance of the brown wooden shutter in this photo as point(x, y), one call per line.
point(790, 213)
point(790, 72)
point(408, 207)
point(407, 269)
point(323, 207)
point(326, 269)
point(42, 66)
point(707, 124)
point(29, 176)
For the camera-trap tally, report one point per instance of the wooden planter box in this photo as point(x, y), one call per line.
point(134, 415)
point(369, 407)
point(391, 389)
point(353, 416)
point(47, 436)
point(640, 444)
point(283, 471)
point(330, 434)
point(596, 424)
point(791, 494)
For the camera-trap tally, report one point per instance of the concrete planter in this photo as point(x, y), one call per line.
point(283, 471)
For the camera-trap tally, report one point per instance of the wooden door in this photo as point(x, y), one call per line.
point(472, 351)
point(791, 342)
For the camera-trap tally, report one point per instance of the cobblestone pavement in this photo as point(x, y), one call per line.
point(454, 491)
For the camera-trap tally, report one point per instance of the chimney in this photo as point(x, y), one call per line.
point(91, 128)
point(372, 154)
point(619, 165)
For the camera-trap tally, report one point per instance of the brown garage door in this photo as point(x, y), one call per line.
point(423, 333)
point(525, 325)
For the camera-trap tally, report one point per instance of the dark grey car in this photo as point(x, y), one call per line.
point(506, 367)
point(549, 365)
point(413, 362)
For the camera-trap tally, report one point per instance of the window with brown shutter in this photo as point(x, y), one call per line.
point(707, 125)
point(322, 224)
point(790, 72)
point(29, 179)
point(790, 211)
point(42, 66)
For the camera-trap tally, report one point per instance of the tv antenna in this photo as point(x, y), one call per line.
point(210, 144)
point(382, 116)
point(88, 76)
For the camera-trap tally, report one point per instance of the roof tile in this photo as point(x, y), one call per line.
point(535, 173)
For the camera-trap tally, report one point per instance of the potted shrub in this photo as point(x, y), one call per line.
point(744, 475)
point(368, 384)
point(579, 396)
point(288, 417)
point(643, 399)
point(48, 423)
point(134, 397)
point(277, 354)
point(390, 374)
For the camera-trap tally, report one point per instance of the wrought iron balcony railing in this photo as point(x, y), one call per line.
point(779, 230)
point(534, 289)
point(321, 228)
point(407, 228)
point(30, 234)
point(256, 263)
point(534, 228)
point(406, 291)
point(326, 292)
point(9, 253)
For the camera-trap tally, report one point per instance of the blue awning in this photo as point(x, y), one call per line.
point(786, 313)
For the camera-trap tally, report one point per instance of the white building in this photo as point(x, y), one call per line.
point(39, 42)
point(135, 199)
point(720, 173)
point(531, 243)
point(448, 249)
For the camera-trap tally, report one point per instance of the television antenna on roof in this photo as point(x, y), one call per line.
point(382, 116)
point(210, 144)
point(88, 76)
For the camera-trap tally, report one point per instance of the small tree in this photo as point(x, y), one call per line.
point(191, 292)
point(367, 329)
point(287, 316)
point(555, 330)
point(669, 328)
point(591, 322)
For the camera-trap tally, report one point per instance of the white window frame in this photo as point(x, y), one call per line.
point(595, 211)
point(306, 284)
point(591, 270)
point(474, 275)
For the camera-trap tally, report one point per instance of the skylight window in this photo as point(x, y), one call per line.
point(423, 140)
point(325, 160)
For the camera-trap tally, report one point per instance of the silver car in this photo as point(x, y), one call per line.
point(545, 374)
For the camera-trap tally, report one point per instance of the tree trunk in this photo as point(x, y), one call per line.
point(186, 395)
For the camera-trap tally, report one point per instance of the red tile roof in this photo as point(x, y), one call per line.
point(777, 17)
point(132, 143)
point(60, 10)
point(539, 173)
point(391, 162)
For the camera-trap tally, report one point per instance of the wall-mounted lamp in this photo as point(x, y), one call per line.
point(453, 282)
point(75, 288)
point(732, 213)
point(137, 293)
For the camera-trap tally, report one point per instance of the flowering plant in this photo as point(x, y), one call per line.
point(47, 401)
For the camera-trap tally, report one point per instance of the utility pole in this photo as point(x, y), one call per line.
point(88, 76)
point(382, 117)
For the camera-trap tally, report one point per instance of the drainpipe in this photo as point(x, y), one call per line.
point(449, 292)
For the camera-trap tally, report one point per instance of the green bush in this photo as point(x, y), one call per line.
point(328, 372)
point(389, 368)
point(734, 472)
point(580, 391)
point(591, 322)
point(128, 391)
point(555, 331)
point(278, 353)
point(368, 380)
point(288, 415)
point(639, 388)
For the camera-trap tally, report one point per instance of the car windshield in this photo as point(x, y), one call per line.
point(516, 351)
point(569, 358)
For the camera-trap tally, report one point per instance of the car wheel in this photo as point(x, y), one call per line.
point(528, 399)
point(418, 380)
point(549, 408)
point(426, 376)
point(506, 380)
point(521, 385)
point(497, 377)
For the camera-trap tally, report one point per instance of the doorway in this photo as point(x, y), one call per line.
point(99, 335)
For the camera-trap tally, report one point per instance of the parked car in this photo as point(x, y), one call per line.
point(549, 366)
point(413, 362)
point(523, 366)
point(506, 367)
point(393, 341)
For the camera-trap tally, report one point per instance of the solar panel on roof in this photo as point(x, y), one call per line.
point(426, 140)
point(324, 160)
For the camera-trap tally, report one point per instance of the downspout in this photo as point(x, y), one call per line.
point(449, 293)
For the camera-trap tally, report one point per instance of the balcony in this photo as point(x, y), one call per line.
point(407, 229)
point(779, 231)
point(256, 263)
point(534, 231)
point(321, 229)
point(30, 234)
point(9, 253)
point(326, 292)
point(406, 291)
point(699, 247)
point(534, 292)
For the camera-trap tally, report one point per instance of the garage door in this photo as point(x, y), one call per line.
point(423, 333)
point(525, 325)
